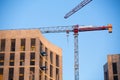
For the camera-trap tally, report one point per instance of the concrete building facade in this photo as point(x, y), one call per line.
point(112, 67)
point(27, 55)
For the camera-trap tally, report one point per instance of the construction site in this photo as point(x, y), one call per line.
point(27, 54)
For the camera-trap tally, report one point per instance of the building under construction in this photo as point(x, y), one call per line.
point(27, 55)
point(112, 67)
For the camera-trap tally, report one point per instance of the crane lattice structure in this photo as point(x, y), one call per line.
point(78, 7)
point(75, 29)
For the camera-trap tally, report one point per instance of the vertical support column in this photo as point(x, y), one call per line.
point(116, 59)
point(119, 68)
point(76, 54)
point(7, 53)
point(17, 53)
point(76, 57)
point(110, 71)
point(43, 62)
point(6, 60)
point(48, 64)
point(17, 59)
point(37, 55)
point(60, 69)
point(54, 67)
point(27, 60)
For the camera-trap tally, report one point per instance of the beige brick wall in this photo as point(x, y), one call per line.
point(115, 58)
point(28, 34)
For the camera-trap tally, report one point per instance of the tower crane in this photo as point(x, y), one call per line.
point(79, 6)
point(75, 29)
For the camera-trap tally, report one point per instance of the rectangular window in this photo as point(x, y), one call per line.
point(1, 73)
point(115, 77)
point(32, 58)
point(114, 67)
point(46, 67)
point(12, 57)
point(2, 59)
point(51, 71)
point(2, 46)
point(45, 77)
point(11, 73)
point(13, 44)
point(32, 72)
point(21, 73)
point(22, 59)
point(51, 57)
point(41, 47)
point(57, 74)
point(41, 61)
point(57, 60)
point(40, 76)
point(46, 51)
point(22, 44)
point(33, 40)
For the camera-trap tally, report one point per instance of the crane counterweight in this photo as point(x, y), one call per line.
point(110, 28)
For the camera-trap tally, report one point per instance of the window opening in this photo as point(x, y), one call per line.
point(114, 67)
point(12, 56)
point(41, 46)
point(46, 67)
point(1, 73)
point(57, 74)
point(32, 58)
point(46, 51)
point(2, 46)
point(45, 77)
point(21, 73)
point(41, 61)
point(33, 44)
point(32, 72)
point(11, 73)
point(51, 57)
point(2, 59)
point(22, 44)
point(51, 71)
point(57, 60)
point(115, 77)
point(12, 44)
point(22, 59)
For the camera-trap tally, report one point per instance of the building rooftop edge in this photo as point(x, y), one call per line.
point(113, 54)
point(34, 33)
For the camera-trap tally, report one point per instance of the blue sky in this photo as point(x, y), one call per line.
point(93, 46)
